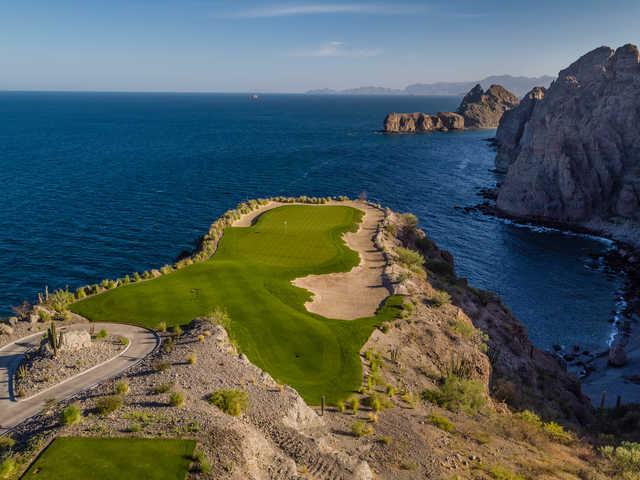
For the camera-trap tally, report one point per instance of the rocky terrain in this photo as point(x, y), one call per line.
point(478, 109)
point(572, 152)
point(449, 391)
point(482, 109)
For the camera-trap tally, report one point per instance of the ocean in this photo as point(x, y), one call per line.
point(97, 185)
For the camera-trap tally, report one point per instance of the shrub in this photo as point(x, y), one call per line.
point(557, 432)
point(625, 459)
point(176, 330)
point(385, 439)
point(354, 404)
point(458, 394)
point(161, 366)
point(360, 429)
point(219, 316)
point(441, 422)
point(80, 293)
point(71, 415)
point(340, 406)
point(167, 345)
point(192, 358)
point(409, 398)
point(162, 388)
point(136, 277)
point(6, 443)
point(377, 403)
point(409, 258)
point(462, 328)
point(498, 472)
point(121, 387)
point(200, 463)
point(8, 468)
point(529, 417)
point(391, 390)
point(123, 341)
point(134, 427)
point(410, 220)
point(232, 402)
point(102, 334)
point(107, 405)
point(176, 399)
point(161, 327)
point(440, 298)
point(201, 338)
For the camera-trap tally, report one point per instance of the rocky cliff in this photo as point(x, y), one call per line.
point(482, 109)
point(423, 122)
point(478, 109)
point(572, 153)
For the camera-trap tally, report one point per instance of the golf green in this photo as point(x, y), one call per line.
point(250, 276)
point(110, 458)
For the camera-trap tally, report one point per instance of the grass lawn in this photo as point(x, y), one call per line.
point(110, 458)
point(250, 275)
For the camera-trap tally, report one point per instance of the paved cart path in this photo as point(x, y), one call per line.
point(14, 410)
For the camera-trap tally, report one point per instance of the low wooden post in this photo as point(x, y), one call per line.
point(322, 400)
point(603, 398)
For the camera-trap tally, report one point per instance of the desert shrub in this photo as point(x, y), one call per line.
point(8, 468)
point(439, 298)
point(176, 330)
point(176, 399)
point(136, 277)
point(6, 443)
point(360, 429)
point(219, 316)
point(459, 366)
point(625, 459)
point(377, 403)
point(80, 293)
point(61, 299)
point(101, 335)
point(192, 358)
point(230, 401)
point(200, 463)
point(161, 327)
point(161, 366)
point(391, 390)
point(354, 404)
point(107, 405)
point(385, 439)
point(121, 387)
point(162, 388)
point(529, 417)
point(556, 432)
point(410, 220)
point(134, 427)
point(201, 338)
point(168, 345)
point(409, 258)
point(442, 423)
point(340, 406)
point(123, 341)
point(498, 472)
point(462, 328)
point(126, 280)
point(409, 398)
point(71, 415)
point(45, 316)
point(457, 394)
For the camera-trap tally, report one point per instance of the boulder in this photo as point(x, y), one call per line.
point(482, 109)
point(422, 122)
point(75, 340)
point(617, 356)
point(572, 152)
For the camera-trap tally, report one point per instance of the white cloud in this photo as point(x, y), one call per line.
point(336, 49)
point(324, 8)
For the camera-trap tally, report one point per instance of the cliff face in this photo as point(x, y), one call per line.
point(423, 122)
point(573, 152)
point(482, 109)
point(479, 109)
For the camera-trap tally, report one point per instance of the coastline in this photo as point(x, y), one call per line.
point(602, 382)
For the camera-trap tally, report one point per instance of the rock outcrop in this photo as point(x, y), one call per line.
point(573, 152)
point(479, 109)
point(423, 122)
point(482, 109)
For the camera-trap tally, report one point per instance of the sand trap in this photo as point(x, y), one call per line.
point(349, 295)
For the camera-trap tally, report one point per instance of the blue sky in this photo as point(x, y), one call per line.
point(291, 46)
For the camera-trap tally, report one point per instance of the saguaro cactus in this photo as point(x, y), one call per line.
point(54, 338)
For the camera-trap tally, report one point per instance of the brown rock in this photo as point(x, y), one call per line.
point(617, 356)
point(422, 122)
point(574, 156)
point(482, 109)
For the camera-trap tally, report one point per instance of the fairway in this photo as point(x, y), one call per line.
point(110, 458)
point(250, 275)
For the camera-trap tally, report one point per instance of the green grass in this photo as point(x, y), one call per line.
point(250, 276)
point(109, 458)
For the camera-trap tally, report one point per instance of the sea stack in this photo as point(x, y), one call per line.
point(572, 153)
point(478, 109)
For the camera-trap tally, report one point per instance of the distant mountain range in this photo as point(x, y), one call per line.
point(518, 85)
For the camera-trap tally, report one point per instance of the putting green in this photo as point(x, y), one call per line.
point(109, 458)
point(250, 275)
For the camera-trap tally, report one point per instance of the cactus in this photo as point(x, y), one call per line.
point(54, 338)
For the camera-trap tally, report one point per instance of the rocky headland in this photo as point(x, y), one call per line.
point(478, 109)
point(572, 153)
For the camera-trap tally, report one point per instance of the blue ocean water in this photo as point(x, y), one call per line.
point(97, 185)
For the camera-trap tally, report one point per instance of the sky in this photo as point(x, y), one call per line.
point(293, 46)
